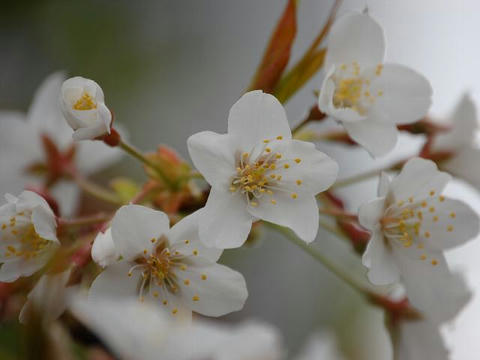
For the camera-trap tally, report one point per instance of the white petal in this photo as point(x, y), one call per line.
point(383, 184)
point(370, 213)
point(464, 125)
point(48, 296)
point(255, 117)
point(133, 228)
point(45, 224)
point(12, 270)
point(376, 136)
point(406, 95)
point(355, 37)
point(464, 165)
point(45, 114)
point(28, 200)
point(432, 289)
point(223, 291)
point(224, 221)
point(19, 141)
point(133, 330)
point(114, 282)
point(417, 179)
point(380, 261)
point(103, 249)
point(67, 194)
point(214, 156)
point(451, 224)
point(300, 214)
point(420, 340)
point(93, 156)
point(316, 170)
point(184, 237)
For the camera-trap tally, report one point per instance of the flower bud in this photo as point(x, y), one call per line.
point(82, 104)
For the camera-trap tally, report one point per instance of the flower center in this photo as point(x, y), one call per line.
point(263, 174)
point(353, 90)
point(405, 222)
point(22, 238)
point(85, 102)
point(162, 269)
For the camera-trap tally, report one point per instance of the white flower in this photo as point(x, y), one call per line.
point(460, 145)
point(83, 106)
point(22, 149)
point(257, 171)
point(168, 266)
point(104, 252)
point(420, 340)
point(28, 235)
point(48, 298)
point(320, 346)
point(136, 330)
point(367, 96)
point(412, 223)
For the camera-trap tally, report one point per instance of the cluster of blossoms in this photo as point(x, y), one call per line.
point(157, 253)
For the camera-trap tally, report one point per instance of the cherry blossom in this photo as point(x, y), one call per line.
point(257, 171)
point(369, 97)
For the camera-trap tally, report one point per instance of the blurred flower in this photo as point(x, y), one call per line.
point(136, 330)
point(459, 145)
point(420, 340)
point(82, 104)
point(320, 346)
point(48, 298)
point(39, 142)
point(28, 235)
point(412, 224)
point(369, 97)
point(257, 171)
point(104, 252)
point(168, 266)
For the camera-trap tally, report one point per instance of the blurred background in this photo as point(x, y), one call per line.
point(172, 68)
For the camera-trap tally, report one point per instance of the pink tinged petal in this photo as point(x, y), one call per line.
point(114, 282)
point(300, 214)
point(213, 290)
point(376, 136)
point(214, 156)
point(355, 37)
point(257, 116)
point(464, 124)
point(379, 260)
point(420, 340)
point(184, 238)
point(449, 223)
point(464, 165)
point(134, 227)
point(370, 213)
point(103, 249)
point(418, 178)
point(312, 169)
point(383, 184)
point(224, 222)
point(430, 286)
point(406, 95)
